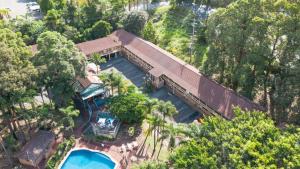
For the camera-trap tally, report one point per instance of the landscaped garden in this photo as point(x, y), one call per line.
point(53, 102)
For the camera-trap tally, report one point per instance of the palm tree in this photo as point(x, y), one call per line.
point(68, 115)
point(118, 81)
point(98, 59)
point(150, 120)
point(167, 109)
point(157, 121)
point(150, 105)
point(169, 133)
point(109, 80)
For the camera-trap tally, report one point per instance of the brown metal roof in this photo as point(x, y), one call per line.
point(97, 45)
point(37, 146)
point(88, 80)
point(216, 96)
point(92, 46)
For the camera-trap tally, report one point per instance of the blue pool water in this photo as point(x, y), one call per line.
point(85, 159)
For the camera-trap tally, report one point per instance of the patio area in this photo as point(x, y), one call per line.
point(119, 148)
point(131, 72)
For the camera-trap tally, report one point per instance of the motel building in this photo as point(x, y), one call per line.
point(164, 69)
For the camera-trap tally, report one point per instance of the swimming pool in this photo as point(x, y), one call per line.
point(87, 159)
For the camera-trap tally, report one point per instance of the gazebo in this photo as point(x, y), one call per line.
point(37, 148)
point(105, 124)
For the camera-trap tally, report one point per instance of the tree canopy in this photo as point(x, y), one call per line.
point(149, 32)
point(250, 140)
point(129, 107)
point(59, 62)
point(98, 30)
point(16, 74)
point(16, 70)
point(254, 48)
point(135, 22)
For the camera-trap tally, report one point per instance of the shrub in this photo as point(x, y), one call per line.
point(61, 151)
point(128, 107)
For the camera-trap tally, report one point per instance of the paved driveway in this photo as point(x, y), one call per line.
point(18, 7)
point(186, 113)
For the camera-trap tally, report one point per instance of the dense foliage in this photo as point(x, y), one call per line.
point(135, 22)
point(149, 32)
point(128, 107)
point(98, 30)
point(59, 63)
point(76, 19)
point(254, 49)
point(16, 73)
point(250, 140)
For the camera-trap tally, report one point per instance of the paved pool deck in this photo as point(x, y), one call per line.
point(131, 72)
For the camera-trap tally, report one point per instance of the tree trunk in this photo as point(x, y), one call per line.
point(42, 96)
point(154, 143)
point(143, 145)
point(272, 102)
point(147, 5)
point(13, 116)
point(129, 5)
point(12, 131)
point(161, 144)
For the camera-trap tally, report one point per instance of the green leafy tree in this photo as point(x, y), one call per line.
point(46, 5)
point(254, 48)
point(97, 59)
point(59, 63)
point(128, 107)
point(72, 33)
point(90, 13)
point(17, 73)
point(167, 109)
point(115, 13)
point(98, 30)
point(149, 32)
point(72, 13)
point(69, 114)
point(135, 22)
point(151, 105)
point(53, 20)
point(29, 28)
point(250, 140)
point(113, 79)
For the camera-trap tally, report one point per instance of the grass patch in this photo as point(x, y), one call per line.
point(149, 145)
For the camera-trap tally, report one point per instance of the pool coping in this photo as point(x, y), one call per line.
point(96, 151)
